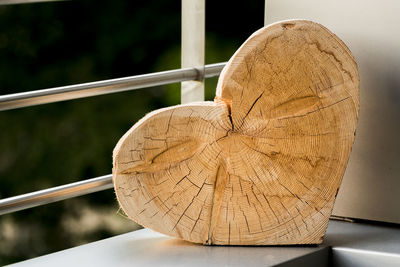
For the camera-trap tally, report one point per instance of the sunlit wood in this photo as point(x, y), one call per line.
point(260, 165)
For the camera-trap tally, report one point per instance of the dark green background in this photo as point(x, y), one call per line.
point(53, 44)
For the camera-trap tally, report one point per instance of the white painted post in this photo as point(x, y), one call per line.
point(193, 43)
point(265, 12)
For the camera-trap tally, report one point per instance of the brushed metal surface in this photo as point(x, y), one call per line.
point(344, 257)
point(54, 194)
point(371, 185)
point(51, 95)
point(147, 248)
point(14, 2)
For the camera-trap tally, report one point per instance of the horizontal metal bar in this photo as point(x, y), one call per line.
point(56, 94)
point(13, 2)
point(54, 194)
point(58, 193)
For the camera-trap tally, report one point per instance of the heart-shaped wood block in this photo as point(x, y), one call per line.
point(262, 164)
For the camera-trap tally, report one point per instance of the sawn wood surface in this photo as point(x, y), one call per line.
point(263, 162)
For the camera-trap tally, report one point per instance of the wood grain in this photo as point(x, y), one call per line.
point(261, 164)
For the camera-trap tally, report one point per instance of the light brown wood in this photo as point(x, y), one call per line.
point(260, 165)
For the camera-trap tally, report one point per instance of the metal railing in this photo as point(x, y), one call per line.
point(193, 28)
point(57, 94)
point(52, 95)
point(14, 2)
point(54, 194)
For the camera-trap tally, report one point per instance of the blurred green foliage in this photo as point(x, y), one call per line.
point(54, 44)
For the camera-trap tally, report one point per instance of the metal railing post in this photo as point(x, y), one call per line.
point(265, 12)
point(193, 42)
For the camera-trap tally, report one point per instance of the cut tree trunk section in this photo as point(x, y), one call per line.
point(262, 164)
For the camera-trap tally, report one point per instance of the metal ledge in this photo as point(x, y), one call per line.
point(147, 248)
